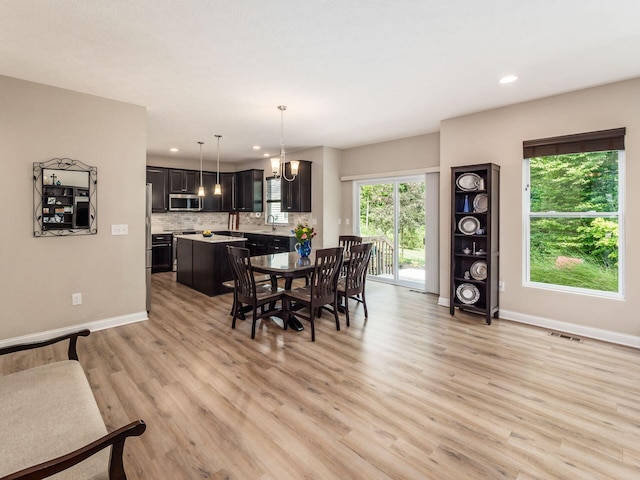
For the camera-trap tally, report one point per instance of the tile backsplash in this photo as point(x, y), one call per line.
point(218, 221)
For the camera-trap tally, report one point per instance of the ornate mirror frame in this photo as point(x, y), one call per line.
point(63, 164)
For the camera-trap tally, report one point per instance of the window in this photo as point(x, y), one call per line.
point(573, 201)
point(273, 202)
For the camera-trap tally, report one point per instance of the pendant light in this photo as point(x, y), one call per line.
point(278, 164)
point(201, 189)
point(217, 190)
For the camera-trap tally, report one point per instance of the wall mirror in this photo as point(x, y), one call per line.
point(64, 198)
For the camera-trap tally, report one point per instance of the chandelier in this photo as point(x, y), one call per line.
point(278, 163)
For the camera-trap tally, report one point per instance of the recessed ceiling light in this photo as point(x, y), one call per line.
point(508, 79)
point(256, 147)
point(174, 149)
point(266, 155)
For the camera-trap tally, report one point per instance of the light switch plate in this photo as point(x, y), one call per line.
point(120, 229)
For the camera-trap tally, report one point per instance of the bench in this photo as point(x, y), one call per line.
point(50, 422)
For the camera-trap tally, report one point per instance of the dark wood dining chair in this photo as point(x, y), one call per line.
point(246, 292)
point(346, 241)
point(322, 289)
point(351, 286)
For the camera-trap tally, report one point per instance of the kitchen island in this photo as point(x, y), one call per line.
point(203, 262)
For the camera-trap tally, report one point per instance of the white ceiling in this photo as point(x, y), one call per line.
point(351, 72)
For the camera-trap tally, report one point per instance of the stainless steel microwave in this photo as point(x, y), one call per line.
point(181, 202)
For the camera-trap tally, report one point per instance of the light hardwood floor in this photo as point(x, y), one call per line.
point(412, 393)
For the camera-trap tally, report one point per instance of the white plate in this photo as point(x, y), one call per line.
point(480, 203)
point(468, 225)
point(468, 182)
point(478, 270)
point(467, 293)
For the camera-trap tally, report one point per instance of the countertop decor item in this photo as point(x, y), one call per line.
point(304, 234)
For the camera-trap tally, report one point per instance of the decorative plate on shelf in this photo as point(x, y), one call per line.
point(467, 293)
point(468, 182)
point(478, 270)
point(468, 225)
point(480, 203)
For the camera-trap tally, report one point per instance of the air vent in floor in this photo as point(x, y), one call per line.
point(565, 336)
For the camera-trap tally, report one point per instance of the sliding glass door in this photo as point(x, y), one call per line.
point(392, 213)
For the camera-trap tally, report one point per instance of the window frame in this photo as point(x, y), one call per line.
point(281, 218)
point(619, 215)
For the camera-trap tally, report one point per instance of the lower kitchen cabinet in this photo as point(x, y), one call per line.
point(161, 253)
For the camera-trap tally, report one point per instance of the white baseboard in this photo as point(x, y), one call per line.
point(92, 326)
point(564, 327)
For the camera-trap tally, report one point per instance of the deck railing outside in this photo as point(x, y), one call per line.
point(382, 255)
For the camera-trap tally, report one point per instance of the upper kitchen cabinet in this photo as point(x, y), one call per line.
point(158, 178)
point(228, 187)
point(296, 195)
point(211, 202)
point(249, 191)
point(184, 181)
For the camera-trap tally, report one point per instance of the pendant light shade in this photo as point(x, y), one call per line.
point(217, 190)
point(201, 188)
point(278, 163)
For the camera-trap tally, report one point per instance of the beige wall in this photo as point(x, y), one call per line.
point(497, 136)
point(39, 275)
point(384, 159)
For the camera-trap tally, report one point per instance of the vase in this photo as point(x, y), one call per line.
point(466, 207)
point(304, 248)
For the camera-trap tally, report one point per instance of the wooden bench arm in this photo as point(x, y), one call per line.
point(72, 337)
point(116, 468)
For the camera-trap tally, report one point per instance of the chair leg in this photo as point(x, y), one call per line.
point(313, 327)
point(335, 313)
point(253, 324)
point(364, 302)
point(235, 312)
point(233, 307)
point(346, 309)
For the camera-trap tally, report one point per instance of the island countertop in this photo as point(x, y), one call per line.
point(198, 237)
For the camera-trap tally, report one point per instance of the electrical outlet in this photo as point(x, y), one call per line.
point(339, 221)
point(76, 299)
point(501, 286)
point(346, 221)
point(120, 229)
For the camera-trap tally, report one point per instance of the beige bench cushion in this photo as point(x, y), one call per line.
point(46, 412)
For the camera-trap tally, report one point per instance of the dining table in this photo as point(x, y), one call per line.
point(287, 265)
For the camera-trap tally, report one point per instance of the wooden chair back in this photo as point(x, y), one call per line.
point(357, 269)
point(243, 279)
point(324, 279)
point(347, 241)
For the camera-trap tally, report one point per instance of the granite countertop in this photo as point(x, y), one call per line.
point(198, 237)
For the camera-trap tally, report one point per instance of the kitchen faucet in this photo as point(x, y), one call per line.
point(273, 222)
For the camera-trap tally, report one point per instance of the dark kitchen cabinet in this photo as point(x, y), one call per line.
point(257, 244)
point(228, 187)
point(184, 181)
point(475, 239)
point(158, 179)
point(278, 244)
point(242, 191)
point(249, 191)
point(161, 252)
point(211, 202)
point(296, 195)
